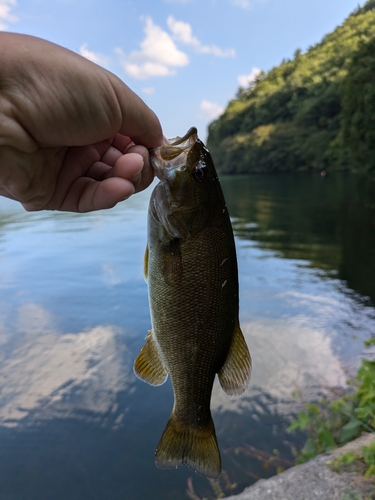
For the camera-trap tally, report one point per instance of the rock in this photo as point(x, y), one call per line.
point(315, 480)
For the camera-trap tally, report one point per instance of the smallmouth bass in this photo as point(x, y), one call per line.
point(191, 268)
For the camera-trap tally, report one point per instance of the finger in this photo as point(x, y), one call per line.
point(83, 182)
point(99, 171)
point(75, 165)
point(122, 142)
point(129, 167)
point(86, 195)
point(138, 122)
point(136, 167)
point(147, 173)
point(111, 156)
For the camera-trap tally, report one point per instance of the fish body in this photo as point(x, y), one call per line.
point(191, 269)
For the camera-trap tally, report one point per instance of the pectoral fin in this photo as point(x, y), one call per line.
point(148, 365)
point(235, 373)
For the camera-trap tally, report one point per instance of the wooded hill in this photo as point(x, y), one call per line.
point(316, 111)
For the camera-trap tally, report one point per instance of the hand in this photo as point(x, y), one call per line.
point(73, 136)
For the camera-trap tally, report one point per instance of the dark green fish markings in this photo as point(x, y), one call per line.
point(191, 269)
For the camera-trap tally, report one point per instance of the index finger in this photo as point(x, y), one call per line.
point(139, 122)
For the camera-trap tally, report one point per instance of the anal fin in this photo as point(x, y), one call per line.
point(234, 375)
point(148, 365)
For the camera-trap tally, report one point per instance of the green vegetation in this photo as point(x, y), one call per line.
point(358, 116)
point(331, 424)
point(366, 457)
point(316, 111)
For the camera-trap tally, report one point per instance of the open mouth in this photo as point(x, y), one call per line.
point(172, 155)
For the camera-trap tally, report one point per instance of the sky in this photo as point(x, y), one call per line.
point(185, 58)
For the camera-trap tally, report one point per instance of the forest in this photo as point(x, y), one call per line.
point(313, 112)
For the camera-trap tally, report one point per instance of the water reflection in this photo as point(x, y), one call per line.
point(47, 373)
point(328, 222)
point(288, 354)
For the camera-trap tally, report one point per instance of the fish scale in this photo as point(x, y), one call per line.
point(191, 269)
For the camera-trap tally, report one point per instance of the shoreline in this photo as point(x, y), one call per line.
point(315, 480)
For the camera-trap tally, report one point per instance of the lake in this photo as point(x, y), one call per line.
point(76, 424)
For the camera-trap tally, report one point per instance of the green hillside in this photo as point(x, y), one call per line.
point(316, 111)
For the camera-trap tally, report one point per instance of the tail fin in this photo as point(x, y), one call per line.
point(196, 447)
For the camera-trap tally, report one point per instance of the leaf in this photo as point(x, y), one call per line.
point(369, 342)
point(348, 458)
point(370, 471)
point(293, 426)
point(364, 413)
point(350, 430)
point(300, 423)
point(369, 454)
point(312, 408)
point(304, 420)
point(309, 448)
point(326, 438)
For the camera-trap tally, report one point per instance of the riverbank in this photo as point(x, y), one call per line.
point(316, 479)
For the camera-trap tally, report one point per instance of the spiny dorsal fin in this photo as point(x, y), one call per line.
point(148, 365)
point(196, 447)
point(234, 375)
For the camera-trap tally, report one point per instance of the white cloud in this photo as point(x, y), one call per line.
point(245, 4)
point(148, 90)
point(210, 110)
point(158, 56)
point(181, 2)
point(245, 80)
point(6, 15)
point(182, 32)
point(95, 57)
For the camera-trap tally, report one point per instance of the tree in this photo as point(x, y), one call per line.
point(293, 119)
point(358, 108)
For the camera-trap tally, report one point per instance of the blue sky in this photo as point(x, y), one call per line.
point(185, 58)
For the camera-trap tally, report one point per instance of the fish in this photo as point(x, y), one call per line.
point(191, 268)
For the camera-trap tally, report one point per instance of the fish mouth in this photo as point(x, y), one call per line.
point(172, 155)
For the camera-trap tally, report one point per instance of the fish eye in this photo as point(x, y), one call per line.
point(199, 172)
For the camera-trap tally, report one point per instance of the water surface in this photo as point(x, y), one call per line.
point(75, 422)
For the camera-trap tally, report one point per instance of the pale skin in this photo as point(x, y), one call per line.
point(73, 136)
